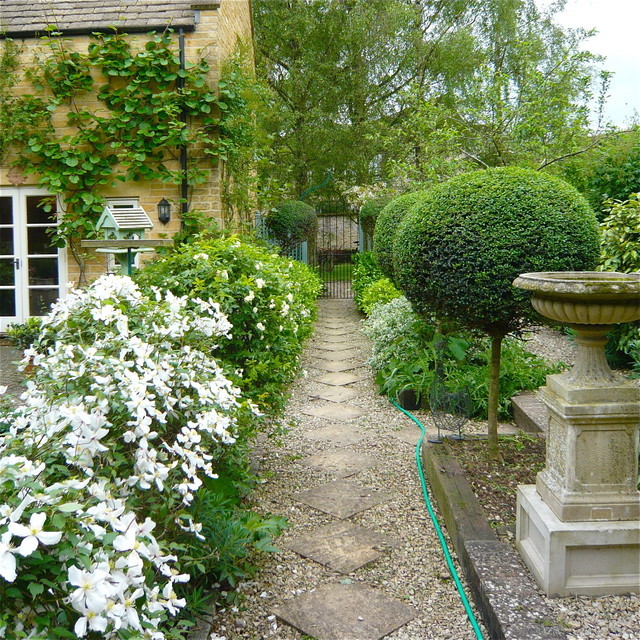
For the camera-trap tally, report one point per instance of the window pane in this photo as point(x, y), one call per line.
point(6, 241)
point(7, 273)
point(39, 240)
point(6, 210)
point(40, 300)
point(35, 210)
point(7, 302)
point(43, 271)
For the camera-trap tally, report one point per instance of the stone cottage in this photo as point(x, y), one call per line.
point(33, 271)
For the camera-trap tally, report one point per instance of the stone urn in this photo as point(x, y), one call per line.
point(577, 529)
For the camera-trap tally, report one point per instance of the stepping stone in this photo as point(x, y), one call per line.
point(345, 612)
point(335, 394)
point(333, 332)
point(341, 463)
point(335, 411)
point(338, 379)
point(331, 365)
point(343, 354)
point(334, 339)
point(327, 346)
point(341, 546)
point(338, 434)
point(341, 499)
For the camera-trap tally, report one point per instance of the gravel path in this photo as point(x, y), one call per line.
point(415, 571)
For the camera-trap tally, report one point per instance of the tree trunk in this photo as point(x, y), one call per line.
point(494, 389)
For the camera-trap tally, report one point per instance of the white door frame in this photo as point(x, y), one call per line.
point(21, 256)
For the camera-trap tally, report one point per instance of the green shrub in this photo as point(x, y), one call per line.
point(378, 292)
point(404, 356)
point(458, 251)
point(386, 227)
point(270, 301)
point(620, 251)
point(23, 334)
point(291, 223)
point(365, 272)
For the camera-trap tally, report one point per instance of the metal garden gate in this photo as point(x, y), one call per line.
point(331, 252)
point(336, 242)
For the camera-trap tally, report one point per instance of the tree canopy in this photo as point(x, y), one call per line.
point(394, 92)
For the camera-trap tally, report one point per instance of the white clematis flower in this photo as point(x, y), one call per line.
point(33, 534)
point(7, 559)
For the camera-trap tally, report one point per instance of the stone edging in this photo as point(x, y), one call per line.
point(503, 591)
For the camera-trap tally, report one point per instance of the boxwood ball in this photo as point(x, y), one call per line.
point(457, 252)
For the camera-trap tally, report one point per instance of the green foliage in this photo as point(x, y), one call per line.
point(620, 235)
point(126, 110)
point(291, 223)
point(365, 272)
point(378, 292)
point(460, 249)
point(404, 356)
point(369, 213)
point(387, 225)
point(620, 251)
point(23, 334)
point(270, 301)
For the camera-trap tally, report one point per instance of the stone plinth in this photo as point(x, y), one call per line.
point(576, 558)
point(592, 450)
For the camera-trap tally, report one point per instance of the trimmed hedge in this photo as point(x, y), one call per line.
point(458, 251)
point(291, 223)
point(369, 213)
point(387, 225)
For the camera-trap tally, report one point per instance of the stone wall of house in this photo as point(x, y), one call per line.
point(216, 34)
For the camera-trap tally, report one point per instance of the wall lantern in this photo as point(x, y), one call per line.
point(164, 211)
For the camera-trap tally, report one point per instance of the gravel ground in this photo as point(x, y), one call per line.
point(415, 571)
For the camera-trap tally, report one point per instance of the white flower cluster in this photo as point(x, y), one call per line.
point(125, 400)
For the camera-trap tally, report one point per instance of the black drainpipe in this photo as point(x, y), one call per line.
point(183, 118)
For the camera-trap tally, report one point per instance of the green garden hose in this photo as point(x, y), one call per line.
point(434, 519)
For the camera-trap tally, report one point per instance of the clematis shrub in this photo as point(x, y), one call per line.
point(121, 431)
point(270, 299)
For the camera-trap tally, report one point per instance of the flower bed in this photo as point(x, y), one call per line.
point(122, 473)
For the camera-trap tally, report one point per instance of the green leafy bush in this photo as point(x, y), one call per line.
point(405, 353)
point(291, 223)
point(365, 272)
point(620, 251)
point(386, 228)
point(378, 292)
point(23, 334)
point(270, 300)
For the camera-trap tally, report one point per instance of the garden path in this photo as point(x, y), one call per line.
point(361, 559)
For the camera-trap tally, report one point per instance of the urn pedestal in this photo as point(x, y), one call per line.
point(578, 528)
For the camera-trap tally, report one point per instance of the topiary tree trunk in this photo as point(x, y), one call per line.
point(494, 393)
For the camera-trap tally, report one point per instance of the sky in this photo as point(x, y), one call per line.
point(618, 25)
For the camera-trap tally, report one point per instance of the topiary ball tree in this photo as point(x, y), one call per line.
point(386, 226)
point(368, 215)
point(457, 252)
point(291, 223)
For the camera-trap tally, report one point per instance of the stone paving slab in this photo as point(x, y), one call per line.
point(335, 394)
point(342, 354)
point(342, 546)
point(342, 499)
point(328, 332)
point(337, 366)
point(340, 463)
point(410, 435)
point(333, 339)
point(327, 346)
point(339, 379)
point(345, 612)
point(335, 411)
point(338, 434)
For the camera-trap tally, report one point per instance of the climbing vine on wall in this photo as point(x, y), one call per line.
point(125, 108)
